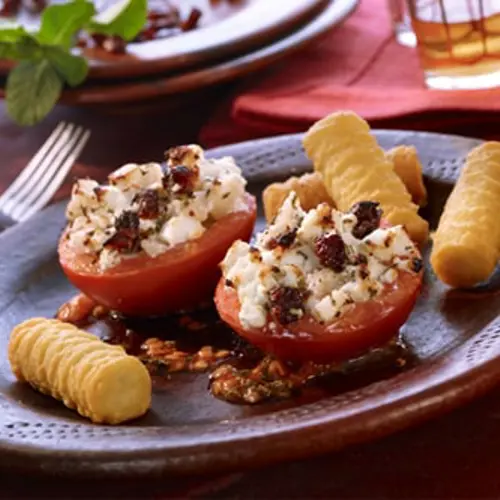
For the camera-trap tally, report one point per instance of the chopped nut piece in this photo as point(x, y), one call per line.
point(276, 369)
point(165, 353)
point(100, 311)
point(199, 365)
point(76, 310)
point(249, 386)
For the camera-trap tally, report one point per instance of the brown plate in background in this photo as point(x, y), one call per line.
point(225, 30)
point(114, 93)
point(453, 339)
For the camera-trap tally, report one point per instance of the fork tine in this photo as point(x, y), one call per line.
point(33, 164)
point(48, 169)
point(57, 180)
point(44, 170)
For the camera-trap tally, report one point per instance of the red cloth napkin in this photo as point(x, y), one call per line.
point(357, 66)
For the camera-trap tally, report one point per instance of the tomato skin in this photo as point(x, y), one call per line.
point(364, 326)
point(180, 279)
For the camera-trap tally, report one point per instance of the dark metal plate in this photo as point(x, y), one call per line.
point(454, 337)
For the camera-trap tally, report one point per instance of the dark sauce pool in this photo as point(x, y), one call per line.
point(200, 343)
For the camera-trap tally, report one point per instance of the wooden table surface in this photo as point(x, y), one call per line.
point(457, 456)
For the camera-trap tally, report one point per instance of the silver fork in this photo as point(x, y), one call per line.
point(43, 175)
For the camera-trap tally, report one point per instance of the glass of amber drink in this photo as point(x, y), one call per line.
point(401, 23)
point(458, 42)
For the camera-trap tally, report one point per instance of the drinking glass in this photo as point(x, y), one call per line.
point(401, 23)
point(458, 42)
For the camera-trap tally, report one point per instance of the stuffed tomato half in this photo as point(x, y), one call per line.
point(322, 285)
point(150, 241)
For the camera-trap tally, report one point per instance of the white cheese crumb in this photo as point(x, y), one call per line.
point(82, 197)
point(153, 247)
point(288, 219)
point(143, 194)
point(108, 258)
point(324, 309)
point(252, 315)
point(322, 281)
point(384, 243)
point(134, 177)
point(374, 263)
point(180, 229)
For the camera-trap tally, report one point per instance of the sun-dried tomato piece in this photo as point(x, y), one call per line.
point(184, 177)
point(110, 43)
point(148, 33)
point(191, 22)
point(114, 44)
point(359, 260)
point(127, 236)
point(98, 39)
point(287, 304)
point(331, 252)
point(127, 220)
point(149, 204)
point(81, 42)
point(169, 17)
point(284, 240)
point(368, 214)
point(417, 264)
point(9, 8)
point(123, 242)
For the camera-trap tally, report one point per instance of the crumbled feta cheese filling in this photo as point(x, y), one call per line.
point(316, 263)
point(149, 208)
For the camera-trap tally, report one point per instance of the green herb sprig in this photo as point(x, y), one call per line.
point(46, 58)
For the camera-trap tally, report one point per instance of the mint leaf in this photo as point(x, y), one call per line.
point(60, 22)
point(33, 89)
point(16, 43)
point(25, 48)
point(11, 33)
point(73, 69)
point(125, 18)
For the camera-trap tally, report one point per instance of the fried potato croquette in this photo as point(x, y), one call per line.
point(409, 169)
point(354, 168)
point(467, 241)
point(309, 188)
point(99, 380)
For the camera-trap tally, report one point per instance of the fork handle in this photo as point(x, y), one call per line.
point(6, 221)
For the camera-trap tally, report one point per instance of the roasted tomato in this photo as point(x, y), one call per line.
point(363, 326)
point(179, 279)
